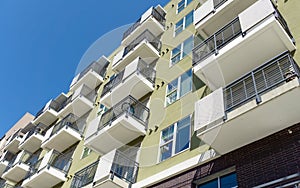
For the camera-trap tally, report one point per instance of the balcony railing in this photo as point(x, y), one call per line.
point(124, 167)
point(39, 129)
point(34, 168)
point(217, 41)
point(142, 68)
point(129, 106)
point(26, 158)
point(155, 14)
point(218, 3)
point(146, 35)
point(16, 134)
point(53, 105)
point(8, 156)
point(269, 76)
point(85, 176)
point(227, 34)
point(69, 121)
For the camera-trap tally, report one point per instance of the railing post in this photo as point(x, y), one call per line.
point(215, 43)
point(258, 98)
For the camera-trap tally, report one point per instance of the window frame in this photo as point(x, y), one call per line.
point(181, 51)
point(182, 26)
point(83, 152)
point(178, 88)
point(174, 139)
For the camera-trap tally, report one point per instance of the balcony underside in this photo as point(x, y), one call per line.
point(251, 122)
point(16, 173)
point(62, 140)
point(3, 165)
point(143, 50)
point(136, 85)
point(122, 130)
point(33, 143)
point(78, 107)
point(91, 79)
point(115, 182)
point(244, 54)
point(47, 118)
point(13, 146)
point(150, 24)
point(226, 12)
point(46, 178)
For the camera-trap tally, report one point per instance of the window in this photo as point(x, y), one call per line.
point(184, 23)
point(102, 109)
point(179, 87)
point(175, 138)
point(182, 50)
point(182, 4)
point(86, 152)
point(227, 181)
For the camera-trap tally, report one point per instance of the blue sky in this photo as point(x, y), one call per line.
point(42, 42)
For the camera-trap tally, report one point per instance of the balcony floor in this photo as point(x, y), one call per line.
point(32, 143)
point(91, 79)
point(251, 122)
point(46, 118)
point(115, 183)
point(244, 54)
point(135, 85)
point(46, 178)
point(16, 173)
point(78, 107)
point(62, 140)
point(120, 132)
point(143, 50)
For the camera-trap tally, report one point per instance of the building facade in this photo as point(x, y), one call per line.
point(200, 94)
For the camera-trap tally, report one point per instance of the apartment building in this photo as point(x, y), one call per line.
point(200, 94)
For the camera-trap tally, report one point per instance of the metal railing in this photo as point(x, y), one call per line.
point(265, 78)
point(39, 129)
point(34, 168)
point(85, 91)
point(53, 105)
point(96, 67)
point(8, 156)
point(284, 24)
point(161, 19)
point(69, 121)
point(124, 167)
point(5, 185)
point(142, 68)
point(26, 158)
point(217, 41)
point(146, 35)
point(218, 3)
point(60, 161)
point(84, 176)
point(129, 106)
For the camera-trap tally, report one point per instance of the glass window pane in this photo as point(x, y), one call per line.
point(172, 86)
point(188, 46)
point(180, 6)
point(176, 53)
point(229, 181)
point(186, 83)
point(188, 2)
point(175, 59)
point(183, 135)
point(166, 151)
point(210, 184)
point(167, 134)
point(189, 19)
point(178, 27)
point(171, 98)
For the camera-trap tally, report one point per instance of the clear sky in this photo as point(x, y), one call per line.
point(42, 42)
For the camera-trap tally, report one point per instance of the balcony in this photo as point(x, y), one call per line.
point(137, 79)
point(64, 134)
point(240, 43)
point(48, 171)
point(115, 170)
point(153, 20)
point(19, 167)
point(121, 124)
point(33, 139)
point(79, 103)
point(254, 106)
point(5, 159)
point(91, 76)
point(48, 114)
point(146, 46)
point(12, 144)
point(215, 13)
point(85, 176)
